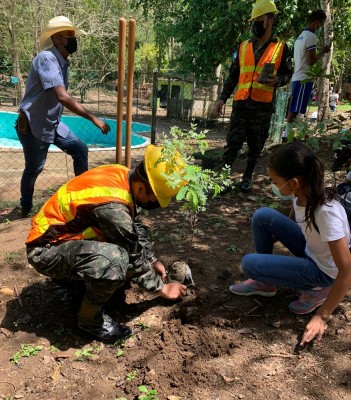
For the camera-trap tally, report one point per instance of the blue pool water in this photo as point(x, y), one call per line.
point(83, 128)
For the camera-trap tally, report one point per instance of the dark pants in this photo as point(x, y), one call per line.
point(35, 153)
point(103, 266)
point(250, 125)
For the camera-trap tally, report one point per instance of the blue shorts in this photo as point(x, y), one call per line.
point(300, 96)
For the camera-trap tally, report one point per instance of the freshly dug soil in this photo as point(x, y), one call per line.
point(209, 346)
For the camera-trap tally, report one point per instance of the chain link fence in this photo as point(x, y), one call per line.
point(159, 102)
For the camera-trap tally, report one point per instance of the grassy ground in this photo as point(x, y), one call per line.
point(345, 106)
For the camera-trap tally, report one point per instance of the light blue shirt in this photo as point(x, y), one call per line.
point(49, 69)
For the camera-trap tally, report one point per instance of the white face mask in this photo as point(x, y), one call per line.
point(277, 192)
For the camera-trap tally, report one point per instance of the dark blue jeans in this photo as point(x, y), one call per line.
point(296, 272)
point(35, 153)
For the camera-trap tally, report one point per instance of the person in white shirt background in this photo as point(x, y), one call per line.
point(305, 55)
point(333, 100)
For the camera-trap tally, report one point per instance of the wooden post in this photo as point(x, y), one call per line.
point(130, 76)
point(154, 105)
point(120, 87)
point(182, 100)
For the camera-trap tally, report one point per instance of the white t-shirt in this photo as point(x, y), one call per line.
point(332, 223)
point(333, 99)
point(305, 42)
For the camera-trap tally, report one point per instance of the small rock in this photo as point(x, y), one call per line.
point(120, 382)
point(245, 331)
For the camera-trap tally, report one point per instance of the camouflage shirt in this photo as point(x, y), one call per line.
point(115, 222)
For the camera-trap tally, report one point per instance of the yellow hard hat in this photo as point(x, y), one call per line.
point(158, 182)
point(262, 7)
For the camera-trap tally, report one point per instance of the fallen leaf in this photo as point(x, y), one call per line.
point(253, 198)
point(7, 291)
point(56, 373)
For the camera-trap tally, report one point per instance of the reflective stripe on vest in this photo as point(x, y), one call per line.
point(62, 206)
point(65, 199)
point(248, 85)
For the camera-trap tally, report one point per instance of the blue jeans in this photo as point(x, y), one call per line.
point(298, 271)
point(35, 153)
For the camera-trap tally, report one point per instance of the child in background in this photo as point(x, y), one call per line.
point(316, 232)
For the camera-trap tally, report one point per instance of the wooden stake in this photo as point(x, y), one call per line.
point(130, 76)
point(120, 87)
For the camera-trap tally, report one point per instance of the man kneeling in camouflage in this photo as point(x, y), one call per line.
point(90, 229)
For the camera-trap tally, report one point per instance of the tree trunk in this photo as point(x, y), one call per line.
point(215, 90)
point(323, 83)
point(15, 59)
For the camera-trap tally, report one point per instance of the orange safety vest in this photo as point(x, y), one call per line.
point(248, 85)
point(108, 183)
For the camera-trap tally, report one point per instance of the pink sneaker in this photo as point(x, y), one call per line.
point(251, 288)
point(309, 300)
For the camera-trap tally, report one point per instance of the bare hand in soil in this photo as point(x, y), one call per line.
point(160, 269)
point(314, 329)
point(173, 291)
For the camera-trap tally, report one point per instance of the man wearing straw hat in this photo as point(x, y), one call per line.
point(261, 64)
point(39, 121)
point(90, 230)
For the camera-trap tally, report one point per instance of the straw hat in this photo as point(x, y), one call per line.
point(57, 24)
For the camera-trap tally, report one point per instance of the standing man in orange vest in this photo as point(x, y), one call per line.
point(261, 64)
point(90, 230)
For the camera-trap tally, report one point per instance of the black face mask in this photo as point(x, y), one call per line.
point(71, 46)
point(258, 29)
point(150, 205)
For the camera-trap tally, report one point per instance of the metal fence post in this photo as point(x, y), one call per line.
point(154, 105)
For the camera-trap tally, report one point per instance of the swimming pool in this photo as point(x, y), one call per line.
point(83, 128)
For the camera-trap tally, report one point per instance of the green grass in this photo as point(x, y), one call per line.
point(346, 106)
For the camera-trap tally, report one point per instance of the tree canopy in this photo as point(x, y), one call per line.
point(188, 36)
point(207, 33)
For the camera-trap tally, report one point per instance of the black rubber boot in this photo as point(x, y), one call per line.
point(93, 320)
point(245, 185)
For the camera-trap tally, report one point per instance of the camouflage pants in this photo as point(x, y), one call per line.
point(103, 266)
point(250, 125)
